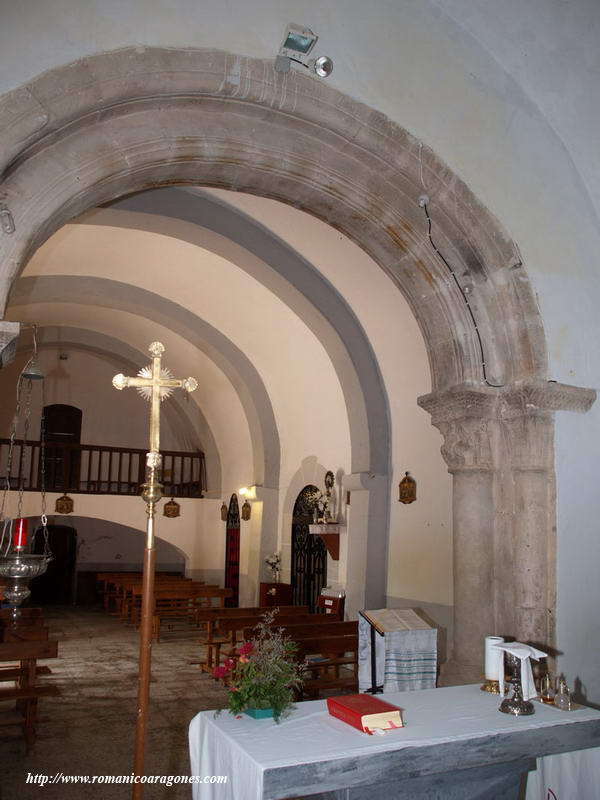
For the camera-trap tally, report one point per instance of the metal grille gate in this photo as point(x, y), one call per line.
point(232, 553)
point(309, 555)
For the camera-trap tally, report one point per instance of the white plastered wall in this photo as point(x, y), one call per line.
point(83, 380)
point(420, 547)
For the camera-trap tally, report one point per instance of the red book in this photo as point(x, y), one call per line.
point(365, 712)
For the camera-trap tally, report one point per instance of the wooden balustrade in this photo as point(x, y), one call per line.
point(96, 469)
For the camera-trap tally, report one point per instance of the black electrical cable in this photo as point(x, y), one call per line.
point(465, 298)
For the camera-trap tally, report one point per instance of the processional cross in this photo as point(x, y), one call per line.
point(154, 383)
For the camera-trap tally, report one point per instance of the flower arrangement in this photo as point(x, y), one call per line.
point(266, 673)
point(274, 563)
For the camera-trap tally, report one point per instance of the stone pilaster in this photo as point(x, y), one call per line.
point(499, 447)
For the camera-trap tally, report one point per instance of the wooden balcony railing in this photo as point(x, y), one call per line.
point(92, 469)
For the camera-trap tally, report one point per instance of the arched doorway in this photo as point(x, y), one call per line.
point(232, 552)
point(57, 585)
point(62, 430)
point(309, 555)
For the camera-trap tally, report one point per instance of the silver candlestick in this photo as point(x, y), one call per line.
point(515, 705)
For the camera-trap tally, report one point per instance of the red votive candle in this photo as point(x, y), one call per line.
point(20, 533)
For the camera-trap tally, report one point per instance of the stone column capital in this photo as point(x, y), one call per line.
point(485, 427)
point(461, 402)
point(465, 401)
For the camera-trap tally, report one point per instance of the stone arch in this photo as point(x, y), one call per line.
point(121, 122)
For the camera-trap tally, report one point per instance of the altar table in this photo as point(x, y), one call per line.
point(455, 744)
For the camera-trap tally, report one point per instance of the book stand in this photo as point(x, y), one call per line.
point(374, 688)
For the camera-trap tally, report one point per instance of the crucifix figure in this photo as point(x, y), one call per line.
point(155, 384)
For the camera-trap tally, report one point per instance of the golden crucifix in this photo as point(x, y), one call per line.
point(154, 383)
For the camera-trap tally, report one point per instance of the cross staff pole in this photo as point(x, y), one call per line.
point(155, 384)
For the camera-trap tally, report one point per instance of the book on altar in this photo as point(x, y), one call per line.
point(365, 712)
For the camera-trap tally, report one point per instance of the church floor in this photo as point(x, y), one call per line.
point(89, 730)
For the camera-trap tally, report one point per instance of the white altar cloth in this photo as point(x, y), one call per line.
point(244, 748)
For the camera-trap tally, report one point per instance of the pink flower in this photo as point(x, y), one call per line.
point(246, 648)
point(244, 659)
point(229, 664)
point(233, 689)
point(219, 672)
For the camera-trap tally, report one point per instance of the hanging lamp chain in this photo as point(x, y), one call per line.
point(47, 551)
point(7, 523)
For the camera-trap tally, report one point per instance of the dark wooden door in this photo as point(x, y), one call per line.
point(232, 553)
point(56, 585)
point(62, 426)
point(309, 555)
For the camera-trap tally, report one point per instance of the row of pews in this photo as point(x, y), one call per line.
point(23, 643)
point(174, 598)
point(327, 644)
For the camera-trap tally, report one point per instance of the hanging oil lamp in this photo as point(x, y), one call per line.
point(17, 567)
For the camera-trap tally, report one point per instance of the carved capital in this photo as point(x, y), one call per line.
point(469, 444)
point(460, 402)
point(466, 417)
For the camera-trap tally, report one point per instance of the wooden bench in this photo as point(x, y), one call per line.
point(23, 633)
point(215, 636)
point(129, 593)
point(229, 628)
point(111, 586)
point(183, 603)
point(130, 603)
point(298, 631)
point(26, 691)
point(326, 657)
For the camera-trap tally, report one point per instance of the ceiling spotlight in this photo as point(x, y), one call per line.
point(322, 66)
point(297, 44)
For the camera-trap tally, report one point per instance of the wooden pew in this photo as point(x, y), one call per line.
point(130, 601)
point(183, 602)
point(27, 691)
point(107, 582)
point(215, 637)
point(326, 656)
point(127, 589)
point(23, 633)
point(307, 630)
point(111, 583)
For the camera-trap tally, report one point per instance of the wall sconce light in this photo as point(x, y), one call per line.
point(64, 505)
point(408, 489)
point(172, 509)
point(248, 492)
point(224, 512)
point(246, 511)
point(297, 44)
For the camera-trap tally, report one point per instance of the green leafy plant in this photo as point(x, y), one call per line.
point(266, 673)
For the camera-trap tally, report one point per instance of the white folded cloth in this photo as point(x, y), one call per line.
point(524, 652)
